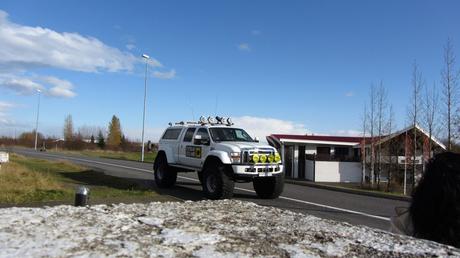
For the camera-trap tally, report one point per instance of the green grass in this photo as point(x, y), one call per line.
point(27, 180)
point(367, 188)
point(133, 156)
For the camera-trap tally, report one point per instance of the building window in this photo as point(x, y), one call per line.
point(341, 151)
point(323, 153)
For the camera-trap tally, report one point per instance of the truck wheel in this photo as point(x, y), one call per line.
point(269, 187)
point(165, 176)
point(216, 183)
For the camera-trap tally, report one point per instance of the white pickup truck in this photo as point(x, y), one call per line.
point(221, 155)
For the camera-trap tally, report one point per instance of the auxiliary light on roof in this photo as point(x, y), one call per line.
point(211, 120)
point(218, 120)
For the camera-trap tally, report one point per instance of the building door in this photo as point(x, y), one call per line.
point(288, 158)
point(301, 162)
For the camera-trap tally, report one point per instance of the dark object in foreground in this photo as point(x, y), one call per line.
point(435, 209)
point(82, 196)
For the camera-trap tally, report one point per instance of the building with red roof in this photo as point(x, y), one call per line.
point(327, 158)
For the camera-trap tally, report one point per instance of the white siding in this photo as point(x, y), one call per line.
point(333, 171)
point(309, 170)
point(295, 160)
point(310, 149)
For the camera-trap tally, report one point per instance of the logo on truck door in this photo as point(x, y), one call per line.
point(193, 152)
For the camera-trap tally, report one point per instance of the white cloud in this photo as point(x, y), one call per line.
point(348, 133)
point(349, 94)
point(255, 126)
point(60, 88)
point(49, 85)
point(165, 75)
point(151, 133)
point(23, 86)
point(5, 105)
point(263, 126)
point(25, 47)
point(244, 47)
point(130, 46)
point(4, 117)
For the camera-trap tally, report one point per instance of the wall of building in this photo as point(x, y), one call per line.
point(295, 162)
point(310, 149)
point(310, 170)
point(333, 171)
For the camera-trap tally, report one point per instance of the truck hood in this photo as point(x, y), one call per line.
point(237, 146)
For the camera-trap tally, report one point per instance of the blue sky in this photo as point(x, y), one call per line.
point(276, 66)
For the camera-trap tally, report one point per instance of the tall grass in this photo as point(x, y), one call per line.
point(19, 183)
point(29, 180)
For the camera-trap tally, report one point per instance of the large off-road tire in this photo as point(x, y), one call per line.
point(217, 184)
point(165, 176)
point(269, 187)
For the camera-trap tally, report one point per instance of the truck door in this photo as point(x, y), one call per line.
point(184, 157)
point(200, 147)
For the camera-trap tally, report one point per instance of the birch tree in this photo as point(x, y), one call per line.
point(391, 148)
point(68, 129)
point(449, 78)
point(363, 147)
point(371, 120)
point(382, 102)
point(430, 110)
point(414, 112)
point(114, 135)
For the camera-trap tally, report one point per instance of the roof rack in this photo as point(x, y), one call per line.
point(218, 120)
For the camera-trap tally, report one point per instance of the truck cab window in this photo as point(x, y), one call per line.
point(204, 134)
point(189, 134)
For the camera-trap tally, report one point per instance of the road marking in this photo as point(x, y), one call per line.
point(307, 202)
point(238, 188)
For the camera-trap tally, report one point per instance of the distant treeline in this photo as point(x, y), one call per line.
point(86, 138)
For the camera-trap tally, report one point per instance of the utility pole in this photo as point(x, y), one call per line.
point(146, 57)
point(36, 123)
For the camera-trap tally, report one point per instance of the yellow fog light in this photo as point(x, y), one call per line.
point(255, 158)
point(263, 158)
point(271, 158)
point(277, 157)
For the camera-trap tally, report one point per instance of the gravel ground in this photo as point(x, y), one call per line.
point(226, 228)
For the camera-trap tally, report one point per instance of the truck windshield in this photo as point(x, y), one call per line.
point(229, 134)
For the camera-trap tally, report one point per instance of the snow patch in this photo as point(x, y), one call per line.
point(227, 228)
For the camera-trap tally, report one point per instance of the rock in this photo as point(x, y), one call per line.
point(227, 228)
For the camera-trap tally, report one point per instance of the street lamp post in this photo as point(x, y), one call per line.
point(146, 57)
point(36, 123)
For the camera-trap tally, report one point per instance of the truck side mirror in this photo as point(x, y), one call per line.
point(256, 139)
point(197, 139)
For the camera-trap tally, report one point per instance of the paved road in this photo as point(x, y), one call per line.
point(353, 208)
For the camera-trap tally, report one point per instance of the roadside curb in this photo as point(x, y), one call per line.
point(345, 190)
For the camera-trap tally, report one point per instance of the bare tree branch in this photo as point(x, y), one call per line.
point(449, 78)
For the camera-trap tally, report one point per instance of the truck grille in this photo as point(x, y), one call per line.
point(247, 154)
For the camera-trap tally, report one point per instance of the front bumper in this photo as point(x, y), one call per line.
point(258, 170)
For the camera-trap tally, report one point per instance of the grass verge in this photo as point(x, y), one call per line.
point(356, 186)
point(27, 180)
point(132, 156)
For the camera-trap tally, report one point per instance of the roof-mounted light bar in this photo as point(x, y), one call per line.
point(218, 120)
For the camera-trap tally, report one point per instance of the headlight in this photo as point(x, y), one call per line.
point(277, 157)
point(235, 157)
point(255, 158)
point(271, 158)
